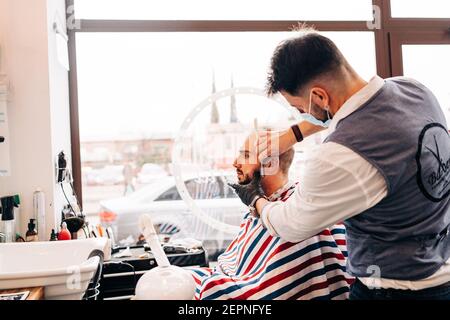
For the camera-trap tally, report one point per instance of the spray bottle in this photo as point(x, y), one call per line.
point(7, 223)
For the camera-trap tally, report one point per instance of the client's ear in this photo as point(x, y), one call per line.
point(266, 163)
point(270, 166)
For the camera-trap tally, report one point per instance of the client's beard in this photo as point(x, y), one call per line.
point(247, 179)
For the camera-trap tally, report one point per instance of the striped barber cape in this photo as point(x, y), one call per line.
point(257, 265)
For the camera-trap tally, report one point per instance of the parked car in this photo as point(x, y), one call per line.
point(150, 172)
point(169, 212)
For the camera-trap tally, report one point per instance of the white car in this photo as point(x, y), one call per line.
point(172, 216)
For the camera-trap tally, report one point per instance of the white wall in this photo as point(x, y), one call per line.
point(59, 98)
point(38, 107)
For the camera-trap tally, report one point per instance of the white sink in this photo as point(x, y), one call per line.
point(62, 267)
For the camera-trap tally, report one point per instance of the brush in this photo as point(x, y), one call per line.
point(74, 224)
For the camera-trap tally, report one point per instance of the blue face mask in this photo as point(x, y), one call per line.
point(310, 118)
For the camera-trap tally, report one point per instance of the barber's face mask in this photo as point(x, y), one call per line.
point(310, 118)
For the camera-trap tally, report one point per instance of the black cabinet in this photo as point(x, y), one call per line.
point(120, 275)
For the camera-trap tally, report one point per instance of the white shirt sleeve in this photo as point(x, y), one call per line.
point(335, 184)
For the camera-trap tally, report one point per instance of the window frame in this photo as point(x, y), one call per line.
point(423, 37)
point(393, 32)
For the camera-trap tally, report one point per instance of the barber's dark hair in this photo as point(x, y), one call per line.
point(301, 59)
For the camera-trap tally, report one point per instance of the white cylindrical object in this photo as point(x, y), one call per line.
point(39, 214)
point(149, 232)
point(166, 283)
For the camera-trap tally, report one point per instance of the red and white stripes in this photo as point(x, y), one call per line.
point(257, 265)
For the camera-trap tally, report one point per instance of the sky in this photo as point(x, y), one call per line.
point(149, 82)
point(230, 9)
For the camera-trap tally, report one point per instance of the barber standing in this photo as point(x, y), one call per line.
point(384, 169)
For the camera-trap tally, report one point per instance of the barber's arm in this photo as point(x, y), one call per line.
point(274, 143)
point(336, 184)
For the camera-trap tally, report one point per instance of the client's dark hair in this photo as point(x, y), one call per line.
point(301, 59)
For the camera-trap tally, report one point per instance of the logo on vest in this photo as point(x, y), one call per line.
point(433, 162)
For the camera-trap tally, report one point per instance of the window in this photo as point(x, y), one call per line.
point(420, 8)
point(170, 195)
point(137, 80)
point(135, 90)
point(201, 188)
point(431, 72)
point(145, 86)
point(224, 10)
point(134, 96)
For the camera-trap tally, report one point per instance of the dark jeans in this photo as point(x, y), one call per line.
point(359, 291)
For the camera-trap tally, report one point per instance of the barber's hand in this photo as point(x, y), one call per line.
point(248, 192)
point(273, 143)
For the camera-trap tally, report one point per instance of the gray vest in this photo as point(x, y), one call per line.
point(402, 131)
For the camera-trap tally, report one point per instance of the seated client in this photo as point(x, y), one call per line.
point(257, 265)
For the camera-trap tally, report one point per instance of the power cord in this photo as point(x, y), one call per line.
point(67, 199)
point(64, 174)
point(70, 179)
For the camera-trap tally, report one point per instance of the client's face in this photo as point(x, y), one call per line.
point(247, 162)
